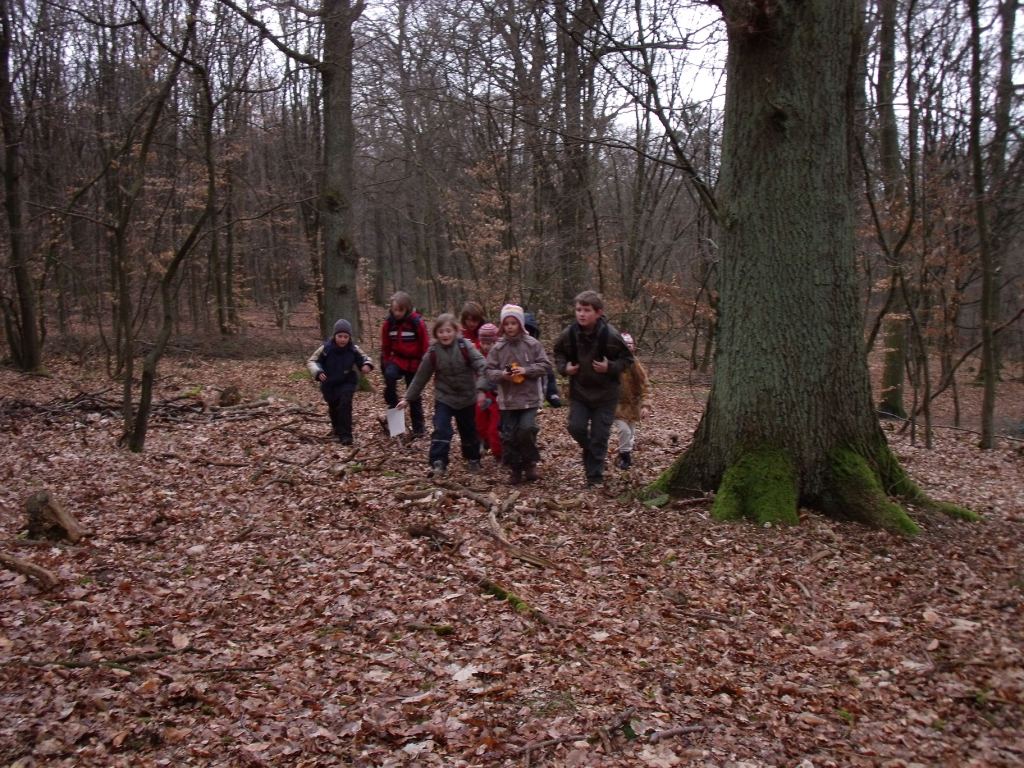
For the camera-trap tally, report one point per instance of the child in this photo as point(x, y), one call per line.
point(471, 319)
point(457, 368)
point(334, 365)
point(550, 382)
point(634, 386)
point(488, 415)
point(518, 364)
point(593, 355)
point(403, 342)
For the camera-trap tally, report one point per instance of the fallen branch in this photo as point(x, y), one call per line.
point(603, 733)
point(123, 662)
point(517, 603)
point(494, 511)
point(682, 730)
point(47, 579)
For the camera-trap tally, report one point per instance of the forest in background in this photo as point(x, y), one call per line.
point(207, 180)
point(514, 150)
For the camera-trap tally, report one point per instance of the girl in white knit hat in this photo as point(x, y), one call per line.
point(517, 363)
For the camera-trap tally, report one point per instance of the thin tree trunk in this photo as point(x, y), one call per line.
point(989, 291)
point(21, 318)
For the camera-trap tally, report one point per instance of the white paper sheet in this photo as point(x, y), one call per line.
point(396, 421)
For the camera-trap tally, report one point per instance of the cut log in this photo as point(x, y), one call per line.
point(47, 579)
point(48, 519)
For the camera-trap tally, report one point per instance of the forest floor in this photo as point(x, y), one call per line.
point(252, 593)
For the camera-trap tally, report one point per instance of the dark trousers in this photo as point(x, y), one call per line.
point(550, 387)
point(340, 409)
point(392, 375)
point(519, 437)
point(441, 437)
point(590, 426)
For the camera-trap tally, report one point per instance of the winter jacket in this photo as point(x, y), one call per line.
point(457, 370)
point(633, 388)
point(341, 364)
point(576, 346)
point(532, 358)
point(403, 342)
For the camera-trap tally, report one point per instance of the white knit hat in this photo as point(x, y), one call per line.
point(514, 310)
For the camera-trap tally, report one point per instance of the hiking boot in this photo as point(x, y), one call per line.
point(473, 465)
point(530, 473)
point(625, 460)
point(555, 401)
point(515, 475)
point(347, 440)
point(437, 469)
point(594, 481)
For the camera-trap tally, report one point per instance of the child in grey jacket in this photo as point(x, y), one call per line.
point(518, 364)
point(457, 369)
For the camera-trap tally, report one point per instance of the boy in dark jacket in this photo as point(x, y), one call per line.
point(593, 355)
point(403, 342)
point(335, 364)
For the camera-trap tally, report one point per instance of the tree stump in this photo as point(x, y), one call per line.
point(47, 519)
point(230, 395)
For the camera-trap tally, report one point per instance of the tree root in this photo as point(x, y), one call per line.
point(855, 491)
point(761, 486)
point(862, 483)
point(897, 483)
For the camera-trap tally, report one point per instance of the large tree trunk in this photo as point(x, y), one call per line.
point(340, 259)
point(790, 419)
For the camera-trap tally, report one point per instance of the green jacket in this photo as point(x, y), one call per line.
point(459, 374)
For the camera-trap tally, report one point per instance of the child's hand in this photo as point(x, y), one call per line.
point(483, 401)
point(321, 376)
point(601, 366)
point(514, 373)
point(367, 368)
point(571, 369)
point(402, 404)
point(645, 412)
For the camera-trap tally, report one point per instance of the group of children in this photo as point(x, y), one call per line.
point(492, 380)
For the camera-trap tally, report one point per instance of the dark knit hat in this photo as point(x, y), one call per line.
point(343, 326)
point(487, 332)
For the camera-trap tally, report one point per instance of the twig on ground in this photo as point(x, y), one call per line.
point(47, 579)
point(602, 732)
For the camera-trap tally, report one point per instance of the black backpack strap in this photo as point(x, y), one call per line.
point(602, 342)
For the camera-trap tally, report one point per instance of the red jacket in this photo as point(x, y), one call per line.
point(403, 342)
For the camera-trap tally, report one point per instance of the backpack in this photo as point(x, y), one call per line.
point(413, 317)
point(462, 348)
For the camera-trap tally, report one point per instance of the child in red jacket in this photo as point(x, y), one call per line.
point(488, 417)
point(403, 342)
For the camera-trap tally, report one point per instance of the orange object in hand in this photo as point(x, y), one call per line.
point(516, 372)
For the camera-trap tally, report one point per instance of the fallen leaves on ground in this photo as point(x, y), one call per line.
point(252, 593)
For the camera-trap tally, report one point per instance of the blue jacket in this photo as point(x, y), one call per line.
point(341, 364)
